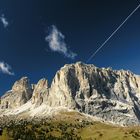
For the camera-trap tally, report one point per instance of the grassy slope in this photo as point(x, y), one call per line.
point(71, 126)
point(100, 131)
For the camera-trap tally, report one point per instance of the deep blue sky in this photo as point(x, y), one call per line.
point(85, 23)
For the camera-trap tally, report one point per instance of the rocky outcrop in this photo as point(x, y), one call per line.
point(40, 92)
point(21, 92)
point(104, 93)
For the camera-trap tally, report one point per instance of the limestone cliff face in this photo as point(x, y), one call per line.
point(40, 92)
point(21, 92)
point(108, 94)
point(102, 92)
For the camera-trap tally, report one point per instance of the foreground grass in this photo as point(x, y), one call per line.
point(100, 131)
point(69, 126)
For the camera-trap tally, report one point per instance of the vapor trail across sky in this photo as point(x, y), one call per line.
point(98, 49)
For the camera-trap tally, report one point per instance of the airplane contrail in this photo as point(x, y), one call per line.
point(98, 49)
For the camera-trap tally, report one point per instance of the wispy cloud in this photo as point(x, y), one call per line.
point(57, 43)
point(4, 21)
point(5, 68)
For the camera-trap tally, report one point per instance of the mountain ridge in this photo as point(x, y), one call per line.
point(110, 95)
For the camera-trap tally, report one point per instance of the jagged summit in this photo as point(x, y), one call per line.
point(102, 92)
point(21, 92)
point(78, 63)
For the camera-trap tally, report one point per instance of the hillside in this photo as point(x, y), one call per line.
point(68, 126)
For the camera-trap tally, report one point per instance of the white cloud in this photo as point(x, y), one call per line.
point(4, 21)
point(57, 43)
point(5, 68)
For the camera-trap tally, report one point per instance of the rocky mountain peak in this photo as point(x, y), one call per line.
point(97, 91)
point(40, 89)
point(21, 92)
point(22, 84)
point(112, 95)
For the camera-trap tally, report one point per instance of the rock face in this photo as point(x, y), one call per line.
point(105, 93)
point(21, 92)
point(40, 92)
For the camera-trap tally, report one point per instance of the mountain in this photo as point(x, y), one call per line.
point(106, 94)
point(21, 92)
